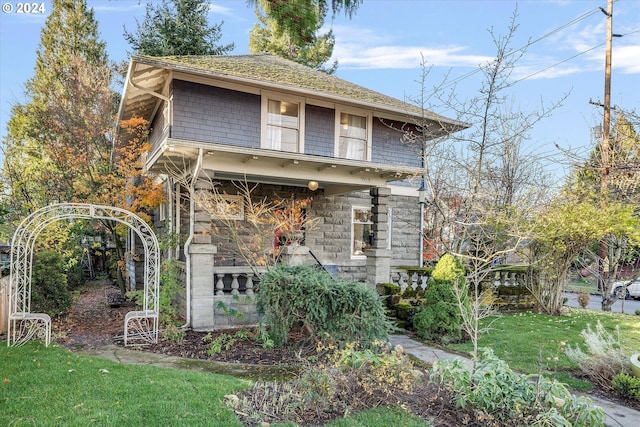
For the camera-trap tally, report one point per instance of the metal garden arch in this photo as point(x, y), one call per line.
point(24, 325)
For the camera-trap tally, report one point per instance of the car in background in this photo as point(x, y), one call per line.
point(632, 289)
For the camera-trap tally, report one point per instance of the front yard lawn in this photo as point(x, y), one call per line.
point(530, 342)
point(53, 386)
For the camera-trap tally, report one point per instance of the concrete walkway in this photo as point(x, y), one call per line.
point(617, 415)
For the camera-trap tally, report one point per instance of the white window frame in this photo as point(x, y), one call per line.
point(389, 227)
point(353, 223)
point(264, 111)
point(369, 121)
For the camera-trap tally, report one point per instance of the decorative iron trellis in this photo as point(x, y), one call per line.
point(23, 325)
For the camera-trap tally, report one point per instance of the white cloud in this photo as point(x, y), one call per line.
point(368, 49)
point(626, 59)
point(221, 10)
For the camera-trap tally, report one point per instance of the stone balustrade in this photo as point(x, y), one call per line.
point(416, 279)
point(235, 280)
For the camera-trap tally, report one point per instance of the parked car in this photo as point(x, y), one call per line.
point(632, 289)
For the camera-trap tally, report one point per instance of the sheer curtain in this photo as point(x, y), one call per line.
point(353, 137)
point(274, 125)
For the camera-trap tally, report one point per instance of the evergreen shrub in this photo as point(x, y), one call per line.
point(439, 318)
point(302, 297)
point(626, 386)
point(49, 290)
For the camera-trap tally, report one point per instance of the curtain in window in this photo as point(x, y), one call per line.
point(353, 137)
point(274, 125)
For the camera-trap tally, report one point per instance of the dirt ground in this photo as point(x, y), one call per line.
point(94, 321)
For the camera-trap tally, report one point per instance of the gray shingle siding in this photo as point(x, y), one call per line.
point(158, 131)
point(387, 147)
point(211, 114)
point(319, 132)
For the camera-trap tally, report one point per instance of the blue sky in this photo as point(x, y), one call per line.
point(381, 46)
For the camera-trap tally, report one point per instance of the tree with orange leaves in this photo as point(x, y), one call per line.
point(59, 146)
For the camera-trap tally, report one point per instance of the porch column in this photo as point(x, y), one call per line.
point(294, 255)
point(378, 256)
point(202, 254)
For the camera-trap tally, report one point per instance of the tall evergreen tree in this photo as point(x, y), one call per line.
point(299, 18)
point(177, 27)
point(310, 49)
point(49, 132)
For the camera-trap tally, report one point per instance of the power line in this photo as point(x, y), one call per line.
point(544, 36)
point(558, 63)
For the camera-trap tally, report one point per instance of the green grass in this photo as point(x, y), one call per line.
point(529, 341)
point(587, 285)
point(53, 386)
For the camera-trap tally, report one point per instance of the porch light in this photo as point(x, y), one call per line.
point(312, 185)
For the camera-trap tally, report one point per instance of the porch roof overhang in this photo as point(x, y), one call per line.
point(334, 175)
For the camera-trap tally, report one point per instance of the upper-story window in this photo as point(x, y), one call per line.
point(353, 137)
point(282, 124)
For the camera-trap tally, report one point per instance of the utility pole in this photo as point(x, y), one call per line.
point(606, 122)
point(605, 155)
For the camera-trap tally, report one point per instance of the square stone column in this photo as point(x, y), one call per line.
point(202, 285)
point(378, 257)
point(294, 254)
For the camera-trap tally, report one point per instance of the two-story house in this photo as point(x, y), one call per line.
point(293, 131)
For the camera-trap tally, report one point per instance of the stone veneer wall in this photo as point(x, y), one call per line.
point(329, 239)
point(330, 236)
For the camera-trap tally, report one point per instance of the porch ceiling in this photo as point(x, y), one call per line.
point(335, 176)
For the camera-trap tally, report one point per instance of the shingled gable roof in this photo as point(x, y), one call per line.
point(270, 70)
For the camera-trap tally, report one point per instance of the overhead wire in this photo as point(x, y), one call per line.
point(530, 43)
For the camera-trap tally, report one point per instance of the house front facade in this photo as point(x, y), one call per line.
point(290, 132)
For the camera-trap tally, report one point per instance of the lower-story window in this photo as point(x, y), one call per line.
point(361, 232)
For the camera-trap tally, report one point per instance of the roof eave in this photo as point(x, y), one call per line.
point(376, 107)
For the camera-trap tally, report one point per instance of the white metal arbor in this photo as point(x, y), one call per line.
point(24, 325)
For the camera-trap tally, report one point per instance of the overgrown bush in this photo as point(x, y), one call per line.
point(439, 318)
point(583, 299)
point(301, 296)
point(49, 291)
point(507, 397)
point(626, 386)
point(605, 358)
point(351, 380)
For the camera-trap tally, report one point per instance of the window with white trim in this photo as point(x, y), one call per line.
point(353, 136)
point(282, 124)
point(389, 227)
point(360, 230)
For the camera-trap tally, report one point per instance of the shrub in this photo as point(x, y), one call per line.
point(583, 299)
point(605, 358)
point(170, 287)
point(626, 386)
point(301, 296)
point(504, 395)
point(49, 291)
point(448, 268)
point(352, 379)
point(439, 317)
